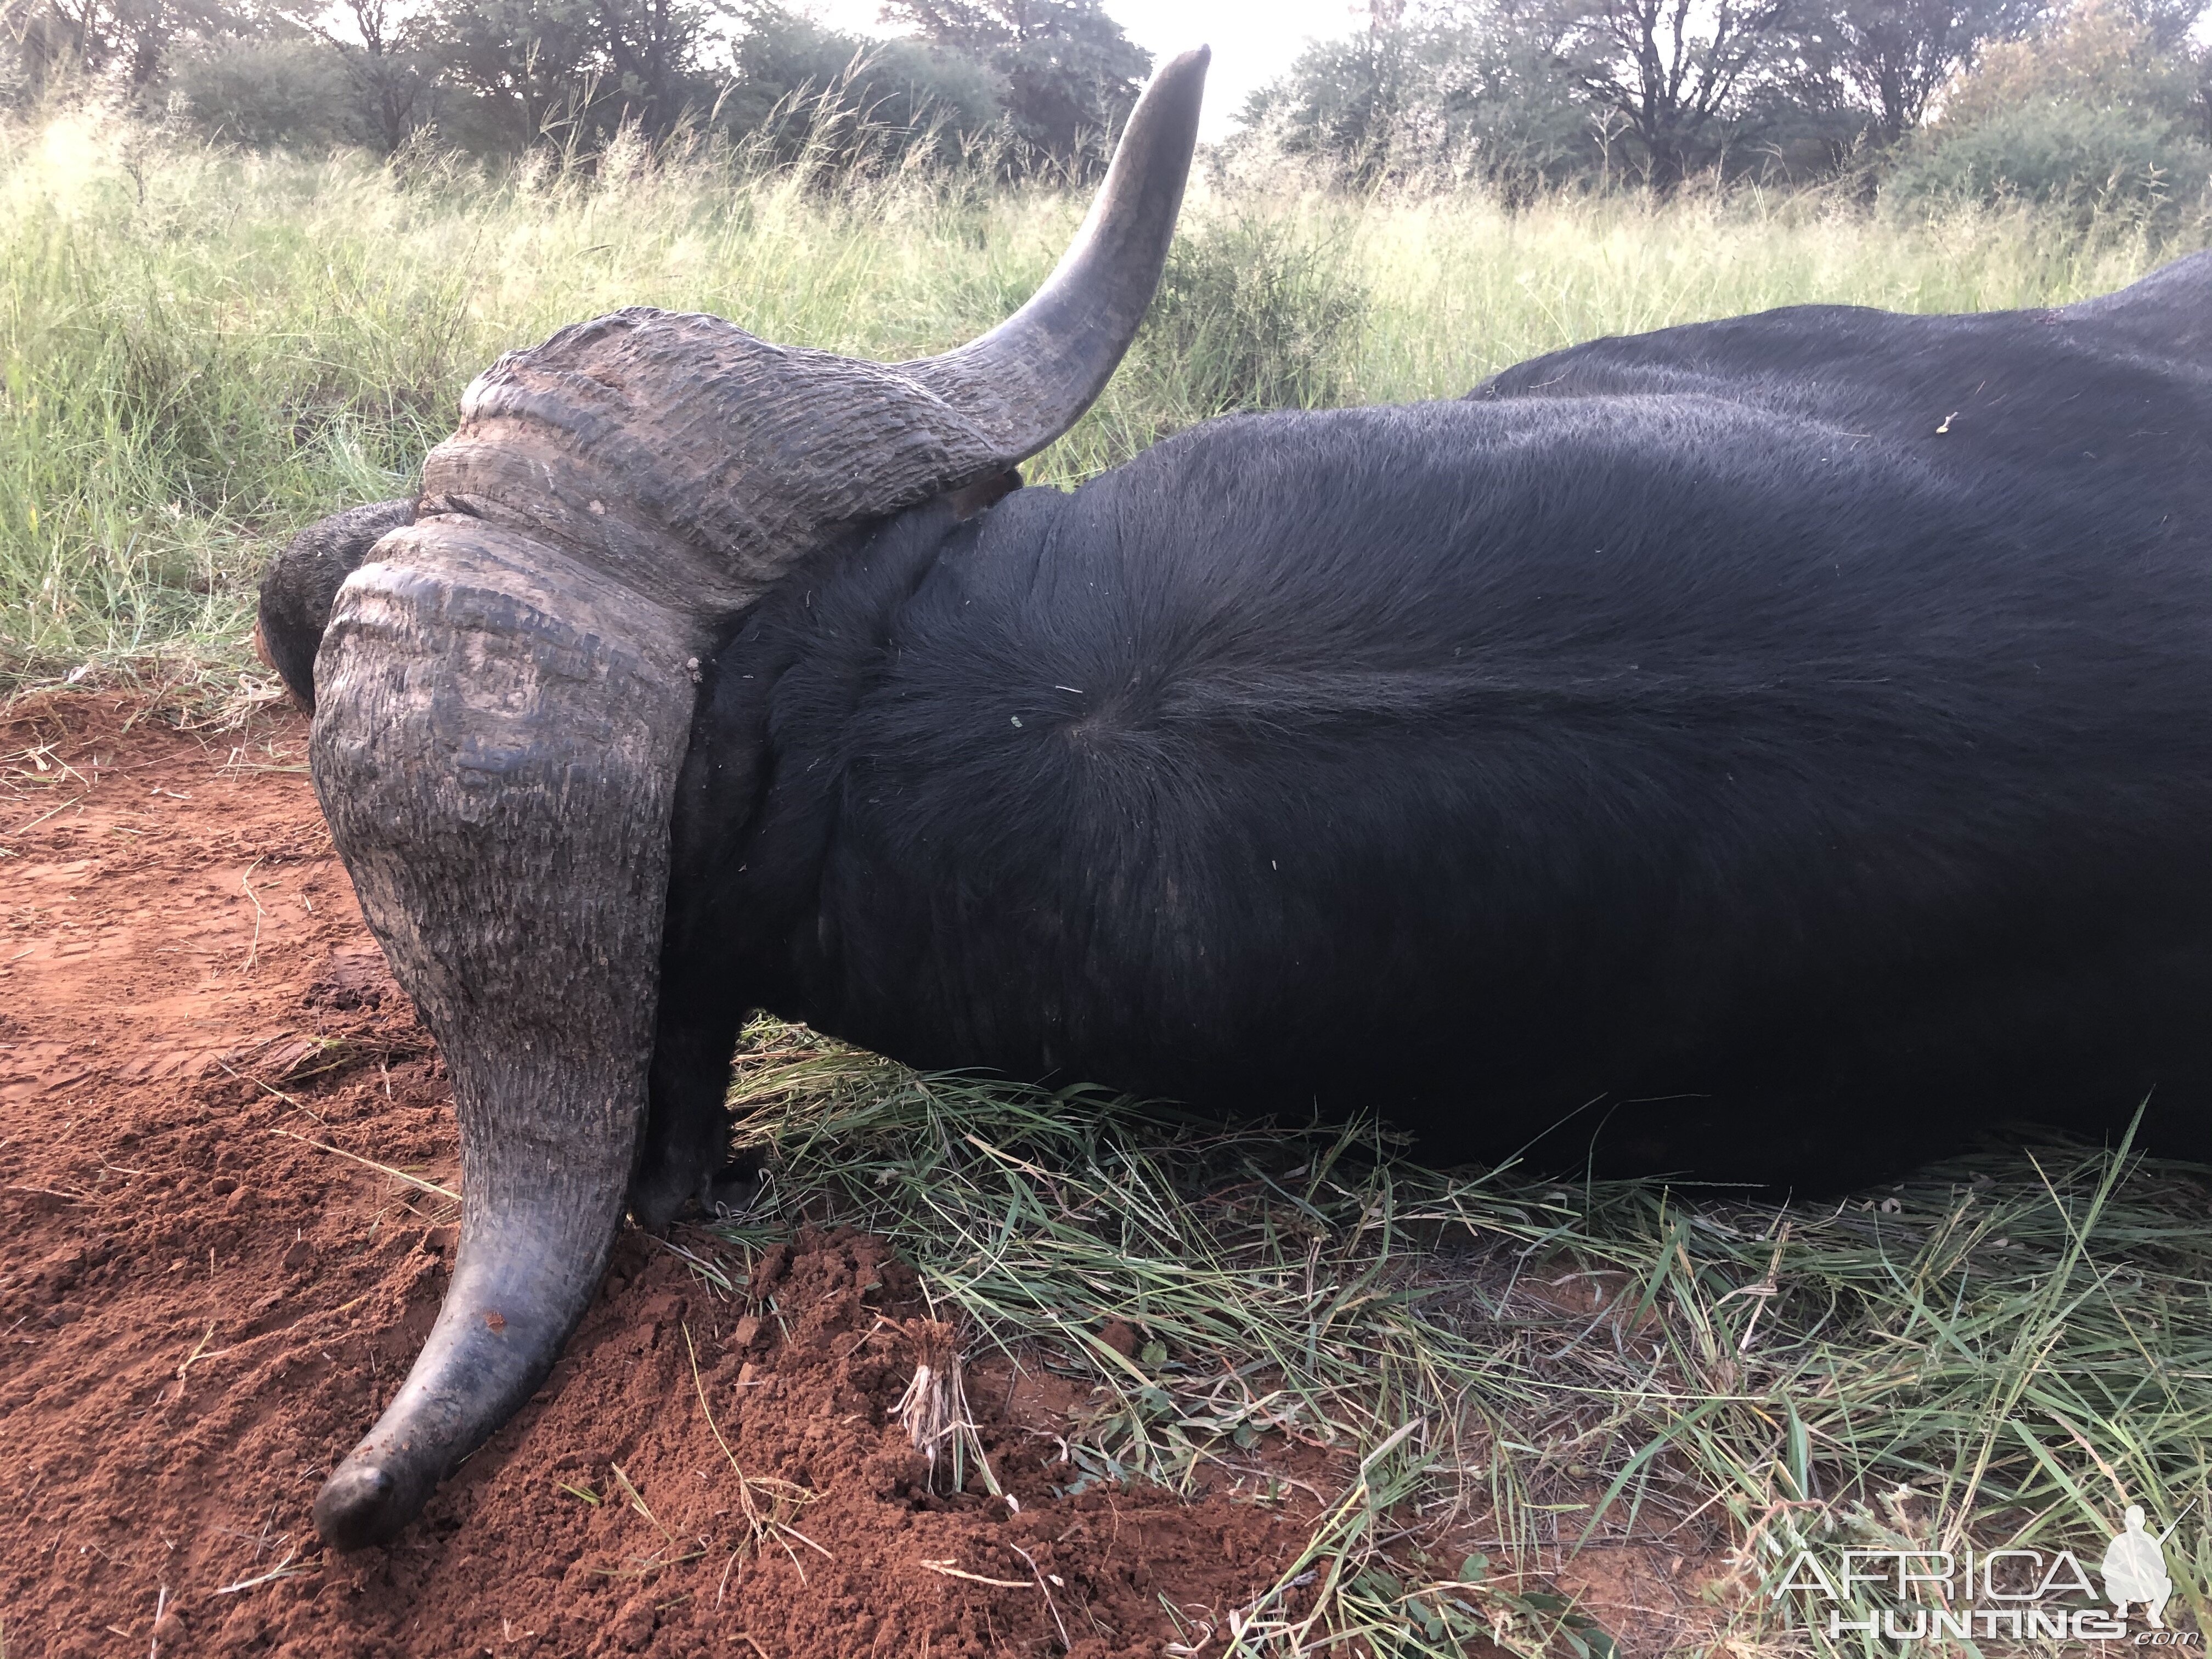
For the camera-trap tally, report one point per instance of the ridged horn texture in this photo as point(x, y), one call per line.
point(503, 697)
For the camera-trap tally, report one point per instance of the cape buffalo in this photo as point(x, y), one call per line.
point(1765, 750)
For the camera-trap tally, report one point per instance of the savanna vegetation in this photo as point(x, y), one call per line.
point(211, 332)
point(2094, 103)
point(204, 346)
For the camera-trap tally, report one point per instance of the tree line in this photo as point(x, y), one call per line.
point(1033, 83)
point(2103, 100)
point(2097, 101)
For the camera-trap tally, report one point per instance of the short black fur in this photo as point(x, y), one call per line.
point(1770, 750)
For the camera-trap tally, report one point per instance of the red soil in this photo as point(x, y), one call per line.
point(204, 1300)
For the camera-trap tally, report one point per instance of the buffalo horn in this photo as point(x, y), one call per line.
point(503, 697)
point(1029, 379)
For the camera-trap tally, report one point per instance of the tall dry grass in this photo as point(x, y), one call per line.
point(204, 349)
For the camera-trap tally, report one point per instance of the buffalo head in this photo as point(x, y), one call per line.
point(503, 696)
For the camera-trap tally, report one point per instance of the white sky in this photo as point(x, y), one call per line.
point(1253, 41)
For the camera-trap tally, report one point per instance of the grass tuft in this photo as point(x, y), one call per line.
point(1508, 1380)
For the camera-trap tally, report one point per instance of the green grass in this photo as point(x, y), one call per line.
point(202, 350)
point(2002, 1351)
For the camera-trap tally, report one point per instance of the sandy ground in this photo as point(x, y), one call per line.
point(227, 1149)
point(208, 1289)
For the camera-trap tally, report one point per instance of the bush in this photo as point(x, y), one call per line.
point(2057, 151)
point(802, 87)
point(2098, 53)
point(1432, 102)
point(1250, 316)
point(260, 93)
point(2090, 113)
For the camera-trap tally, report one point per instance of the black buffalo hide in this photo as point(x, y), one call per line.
point(1769, 749)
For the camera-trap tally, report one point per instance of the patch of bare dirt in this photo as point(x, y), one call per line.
point(221, 1139)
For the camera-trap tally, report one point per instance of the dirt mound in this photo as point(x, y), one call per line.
point(226, 1157)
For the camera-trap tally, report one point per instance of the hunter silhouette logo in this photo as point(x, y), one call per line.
point(1966, 1595)
point(2135, 1570)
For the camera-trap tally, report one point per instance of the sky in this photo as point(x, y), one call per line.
point(1253, 41)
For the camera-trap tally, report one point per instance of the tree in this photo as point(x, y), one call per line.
point(279, 88)
point(1071, 75)
point(1896, 55)
point(390, 82)
point(1343, 101)
point(1677, 72)
point(603, 62)
point(2100, 54)
point(1475, 90)
point(798, 85)
point(651, 50)
point(2201, 106)
point(2088, 112)
point(131, 38)
point(522, 59)
point(2169, 23)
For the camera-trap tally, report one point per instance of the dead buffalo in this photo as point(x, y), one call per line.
point(1766, 750)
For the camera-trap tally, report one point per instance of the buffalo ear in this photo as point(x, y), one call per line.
point(984, 493)
point(302, 585)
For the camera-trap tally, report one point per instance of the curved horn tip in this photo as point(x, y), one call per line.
point(363, 1504)
point(1030, 379)
point(1192, 62)
point(1172, 98)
